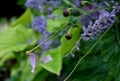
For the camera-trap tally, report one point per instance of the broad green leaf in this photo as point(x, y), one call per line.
point(67, 45)
point(55, 64)
point(15, 39)
point(24, 19)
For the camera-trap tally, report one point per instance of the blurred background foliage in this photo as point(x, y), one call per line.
point(16, 37)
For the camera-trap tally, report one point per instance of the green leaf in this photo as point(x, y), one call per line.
point(55, 64)
point(67, 45)
point(55, 24)
point(15, 39)
point(24, 19)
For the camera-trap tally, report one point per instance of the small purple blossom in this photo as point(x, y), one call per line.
point(77, 48)
point(77, 3)
point(37, 4)
point(46, 59)
point(49, 16)
point(85, 20)
point(50, 10)
point(88, 7)
point(46, 45)
point(40, 5)
point(53, 3)
point(116, 9)
point(33, 61)
point(39, 24)
point(72, 55)
point(91, 17)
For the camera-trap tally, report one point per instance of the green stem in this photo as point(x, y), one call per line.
point(92, 4)
point(107, 3)
point(48, 38)
point(86, 54)
point(69, 3)
point(118, 39)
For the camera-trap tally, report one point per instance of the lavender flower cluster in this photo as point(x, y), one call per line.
point(39, 24)
point(39, 4)
point(96, 23)
point(116, 9)
point(100, 25)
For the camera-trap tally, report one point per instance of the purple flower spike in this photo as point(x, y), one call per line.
point(33, 62)
point(100, 25)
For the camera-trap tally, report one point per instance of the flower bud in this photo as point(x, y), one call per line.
point(68, 36)
point(28, 53)
point(66, 12)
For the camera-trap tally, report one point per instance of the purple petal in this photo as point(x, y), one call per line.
point(88, 7)
point(33, 61)
point(46, 59)
point(77, 48)
point(72, 55)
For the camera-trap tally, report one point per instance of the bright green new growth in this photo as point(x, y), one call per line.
point(15, 40)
